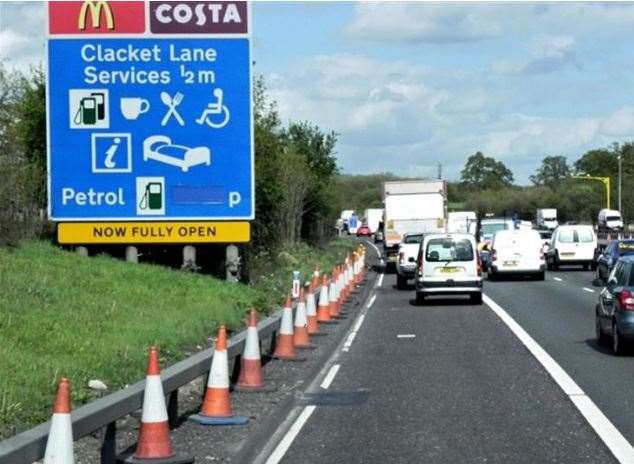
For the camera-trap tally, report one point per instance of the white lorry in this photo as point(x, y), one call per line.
point(373, 216)
point(546, 218)
point(412, 206)
point(610, 219)
point(459, 221)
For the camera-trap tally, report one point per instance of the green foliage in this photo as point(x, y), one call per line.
point(482, 172)
point(553, 172)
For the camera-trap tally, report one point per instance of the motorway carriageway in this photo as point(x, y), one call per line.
point(449, 382)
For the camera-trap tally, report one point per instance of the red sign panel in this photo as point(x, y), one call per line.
point(96, 17)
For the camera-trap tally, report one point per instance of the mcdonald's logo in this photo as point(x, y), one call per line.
point(95, 8)
point(96, 17)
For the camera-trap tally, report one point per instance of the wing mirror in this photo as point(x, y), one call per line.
point(412, 259)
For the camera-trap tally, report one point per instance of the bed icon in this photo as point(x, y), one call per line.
point(160, 148)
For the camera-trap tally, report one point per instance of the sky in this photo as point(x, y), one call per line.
point(410, 85)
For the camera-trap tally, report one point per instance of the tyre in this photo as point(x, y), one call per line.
point(492, 275)
point(540, 276)
point(401, 282)
point(420, 299)
point(476, 298)
point(602, 338)
point(593, 266)
point(549, 263)
point(556, 263)
point(617, 344)
point(586, 267)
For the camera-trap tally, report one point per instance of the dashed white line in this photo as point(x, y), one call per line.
point(372, 300)
point(357, 325)
point(349, 340)
point(330, 376)
point(589, 290)
point(607, 432)
point(406, 336)
point(380, 281)
point(558, 279)
point(287, 441)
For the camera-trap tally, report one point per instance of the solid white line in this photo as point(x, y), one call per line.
point(378, 253)
point(330, 377)
point(557, 279)
point(380, 281)
point(589, 290)
point(372, 300)
point(608, 433)
point(290, 436)
point(406, 336)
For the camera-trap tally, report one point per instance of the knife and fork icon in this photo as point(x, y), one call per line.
point(172, 103)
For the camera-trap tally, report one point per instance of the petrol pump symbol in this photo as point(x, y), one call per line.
point(150, 194)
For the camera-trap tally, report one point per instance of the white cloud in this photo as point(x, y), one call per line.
point(22, 33)
point(548, 54)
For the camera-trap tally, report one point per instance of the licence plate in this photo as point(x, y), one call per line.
point(448, 270)
point(510, 263)
point(568, 254)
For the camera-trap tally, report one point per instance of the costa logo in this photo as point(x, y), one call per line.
point(96, 17)
point(198, 17)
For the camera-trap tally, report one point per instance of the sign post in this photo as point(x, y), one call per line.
point(150, 120)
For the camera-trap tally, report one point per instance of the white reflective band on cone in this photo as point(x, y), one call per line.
point(300, 315)
point(153, 400)
point(286, 326)
point(59, 447)
point(311, 309)
point(252, 344)
point(219, 372)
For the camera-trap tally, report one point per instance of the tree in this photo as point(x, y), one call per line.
point(484, 172)
point(552, 173)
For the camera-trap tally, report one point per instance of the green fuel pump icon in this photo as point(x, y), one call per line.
point(153, 197)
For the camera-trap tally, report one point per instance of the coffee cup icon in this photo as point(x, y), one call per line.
point(133, 107)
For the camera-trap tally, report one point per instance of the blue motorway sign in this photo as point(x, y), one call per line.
point(150, 128)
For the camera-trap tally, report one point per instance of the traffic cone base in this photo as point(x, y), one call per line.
point(178, 458)
point(217, 420)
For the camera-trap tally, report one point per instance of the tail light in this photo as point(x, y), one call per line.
point(419, 264)
point(541, 254)
point(626, 299)
point(401, 257)
point(494, 255)
point(479, 263)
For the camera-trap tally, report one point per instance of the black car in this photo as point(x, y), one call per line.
point(615, 310)
point(610, 255)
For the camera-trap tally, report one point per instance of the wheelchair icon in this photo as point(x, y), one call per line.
point(215, 109)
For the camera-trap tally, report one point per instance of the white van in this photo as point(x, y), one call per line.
point(448, 264)
point(610, 219)
point(517, 252)
point(572, 244)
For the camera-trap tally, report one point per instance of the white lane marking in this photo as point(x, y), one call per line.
point(378, 253)
point(558, 279)
point(380, 281)
point(287, 441)
point(608, 433)
point(357, 325)
point(330, 376)
point(406, 336)
point(372, 300)
point(349, 340)
point(589, 290)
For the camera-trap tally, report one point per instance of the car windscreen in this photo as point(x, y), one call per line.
point(448, 249)
point(490, 229)
point(413, 239)
point(613, 218)
point(585, 235)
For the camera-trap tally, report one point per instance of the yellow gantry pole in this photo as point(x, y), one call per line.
point(604, 180)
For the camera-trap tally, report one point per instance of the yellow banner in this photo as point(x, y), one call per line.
point(74, 233)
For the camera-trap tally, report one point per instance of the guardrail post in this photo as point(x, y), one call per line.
point(131, 254)
point(172, 408)
point(109, 446)
point(82, 251)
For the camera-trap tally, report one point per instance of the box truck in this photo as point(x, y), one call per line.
point(546, 218)
point(373, 217)
point(412, 206)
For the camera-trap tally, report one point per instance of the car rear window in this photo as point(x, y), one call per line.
point(413, 239)
point(566, 236)
point(448, 249)
point(613, 218)
point(585, 235)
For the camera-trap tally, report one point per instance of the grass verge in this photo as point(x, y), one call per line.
point(94, 318)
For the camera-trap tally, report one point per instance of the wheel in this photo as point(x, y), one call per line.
point(540, 276)
point(492, 275)
point(420, 299)
point(586, 267)
point(476, 298)
point(549, 263)
point(617, 343)
point(401, 282)
point(602, 339)
point(593, 266)
point(556, 263)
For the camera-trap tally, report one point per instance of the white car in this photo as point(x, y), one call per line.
point(406, 259)
point(448, 264)
point(517, 252)
point(572, 244)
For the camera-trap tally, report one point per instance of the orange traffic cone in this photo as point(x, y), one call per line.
point(154, 443)
point(332, 297)
point(311, 310)
point(323, 308)
point(251, 378)
point(216, 408)
point(59, 446)
point(284, 346)
point(301, 339)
